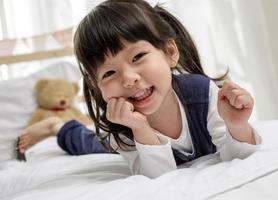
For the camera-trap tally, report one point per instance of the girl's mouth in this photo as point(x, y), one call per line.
point(142, 97)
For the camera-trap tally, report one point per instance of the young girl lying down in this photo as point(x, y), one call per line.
point(130, 54)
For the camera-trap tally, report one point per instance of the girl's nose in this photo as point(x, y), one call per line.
point(130, 79)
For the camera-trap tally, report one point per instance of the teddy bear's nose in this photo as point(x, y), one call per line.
point(62, 102)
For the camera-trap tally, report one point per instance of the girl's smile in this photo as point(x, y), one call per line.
point(143, 97)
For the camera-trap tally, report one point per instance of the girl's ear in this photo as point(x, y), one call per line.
point(172, 53)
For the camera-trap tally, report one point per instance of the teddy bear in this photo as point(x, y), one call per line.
point(55, 98)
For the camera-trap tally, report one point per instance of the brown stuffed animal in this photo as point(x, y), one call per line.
point(55, 98)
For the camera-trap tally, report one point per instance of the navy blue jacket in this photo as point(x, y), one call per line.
point(193, 92)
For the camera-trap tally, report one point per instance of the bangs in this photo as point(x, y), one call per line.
point(97, 36)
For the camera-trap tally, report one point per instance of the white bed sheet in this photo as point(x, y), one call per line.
point(51, 174)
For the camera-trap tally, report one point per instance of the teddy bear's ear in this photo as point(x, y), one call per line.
point(76, 87)
point(41, 84)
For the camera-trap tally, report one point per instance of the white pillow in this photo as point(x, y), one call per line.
point(17, 103)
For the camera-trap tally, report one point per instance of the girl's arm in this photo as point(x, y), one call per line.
point(148, 160)
point(122, 112)
point(152, 155)
point(227, 145)
point(235, 106)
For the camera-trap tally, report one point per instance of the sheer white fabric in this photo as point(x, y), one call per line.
point(237, 34)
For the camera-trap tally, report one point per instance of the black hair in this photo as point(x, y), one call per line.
point(102, 32)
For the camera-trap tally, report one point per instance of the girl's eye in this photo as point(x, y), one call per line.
point(107, 74)
point(138, 57)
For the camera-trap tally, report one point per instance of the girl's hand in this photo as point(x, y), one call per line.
point(235, 104)
point(122, 112)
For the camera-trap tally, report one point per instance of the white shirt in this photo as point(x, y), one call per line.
point(154, 160)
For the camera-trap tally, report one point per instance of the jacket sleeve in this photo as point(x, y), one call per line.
point(77, 139)
point(148, 160)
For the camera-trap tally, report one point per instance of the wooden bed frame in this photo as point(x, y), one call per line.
point(68, 51)
point(66, 35)
point(39, 55)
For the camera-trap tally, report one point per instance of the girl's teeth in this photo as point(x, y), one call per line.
point(142, 94)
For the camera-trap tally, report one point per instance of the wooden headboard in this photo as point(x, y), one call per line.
point(63, 37)
point(36, 56)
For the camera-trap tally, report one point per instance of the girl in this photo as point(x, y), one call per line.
point(129, 53)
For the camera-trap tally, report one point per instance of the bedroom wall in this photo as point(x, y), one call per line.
point(270, 8)
point(270, 16)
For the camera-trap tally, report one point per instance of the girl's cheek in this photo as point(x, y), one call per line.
point(110, 90)
point(106, 94)
point(103, 93)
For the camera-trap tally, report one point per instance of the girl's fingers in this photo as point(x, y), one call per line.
point(244, 101)
point(118, 108)
point(235, 95)
point(229, 88)
point(127, 108)
point(221, 96)
point(230, 84)
point(232, 92)
point(110, 108)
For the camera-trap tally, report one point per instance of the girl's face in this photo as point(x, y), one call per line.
point(141, 74)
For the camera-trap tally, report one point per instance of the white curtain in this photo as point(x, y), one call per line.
point(228, 33)
point(246, 47)
point(25, 18)
point(235, 34)
point(28, 18)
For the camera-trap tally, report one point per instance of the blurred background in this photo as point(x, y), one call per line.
point(239, 34)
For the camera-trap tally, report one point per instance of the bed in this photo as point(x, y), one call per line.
point(50, 173)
